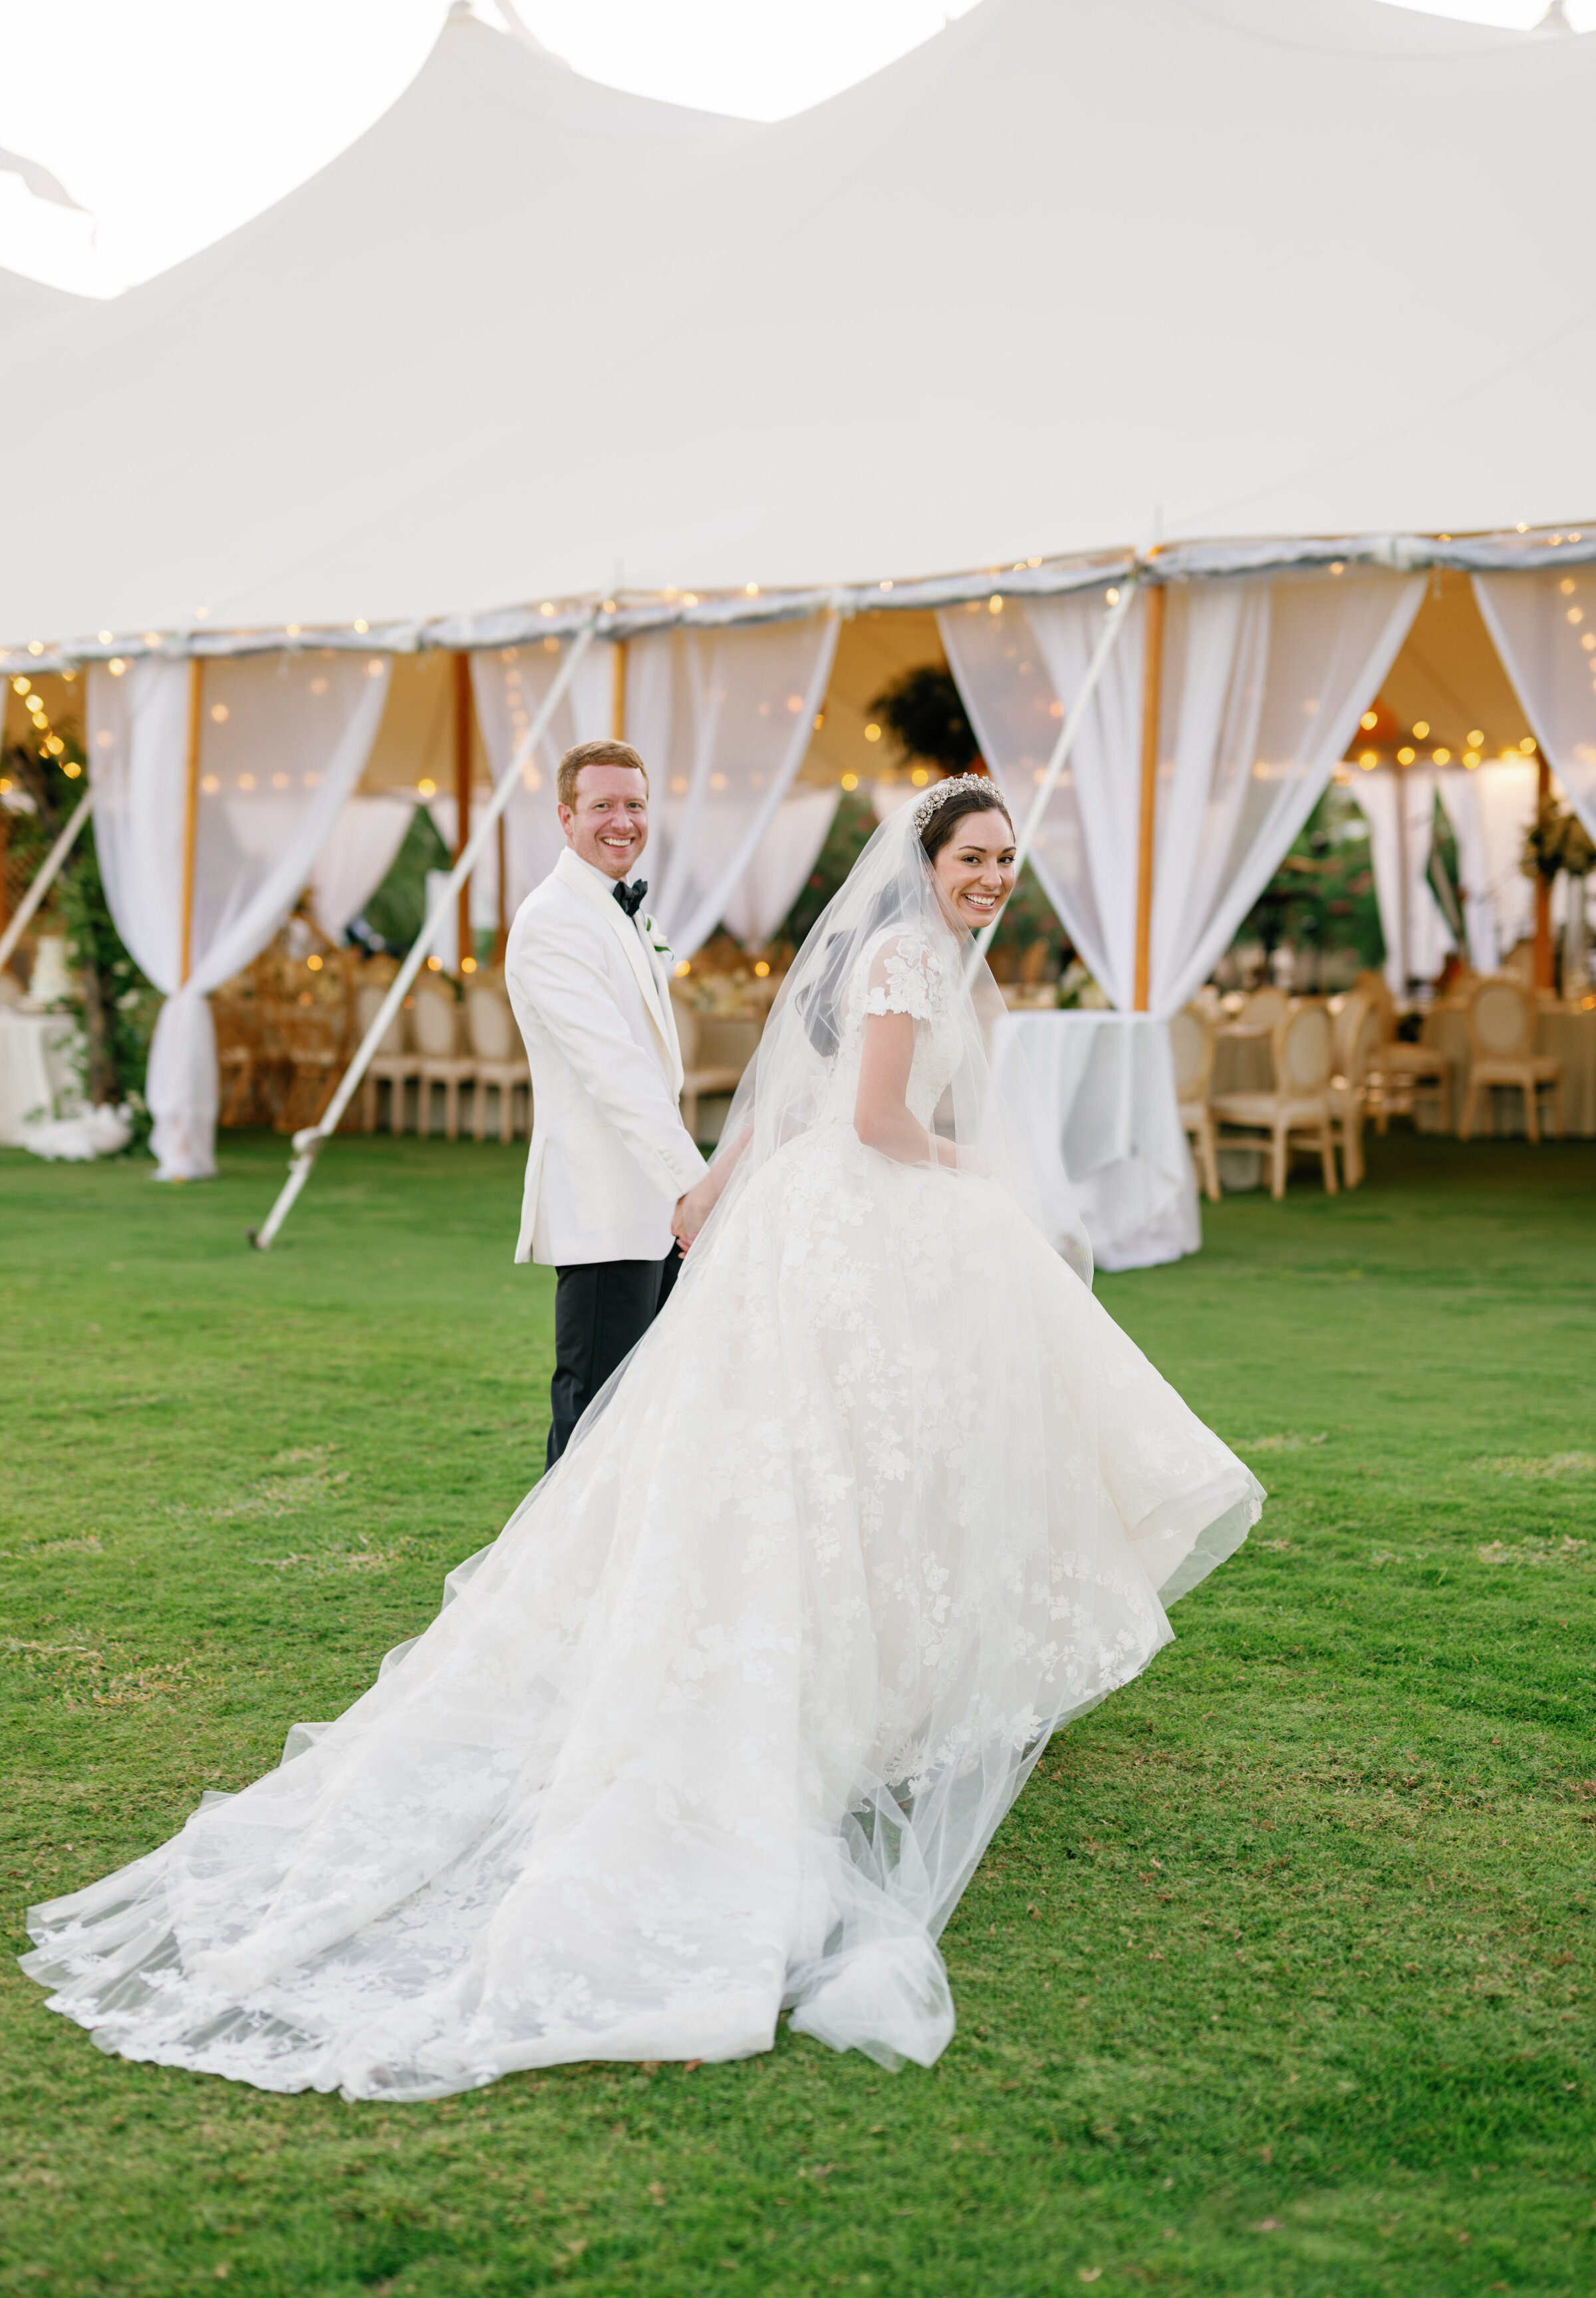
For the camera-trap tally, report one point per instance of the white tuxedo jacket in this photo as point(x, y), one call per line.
point(609, 1152)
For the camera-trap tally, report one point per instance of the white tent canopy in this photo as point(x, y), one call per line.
point(1068, 278)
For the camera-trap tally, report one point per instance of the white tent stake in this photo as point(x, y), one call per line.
point(46, 879)
point(1061, 748)
point(308, 1143)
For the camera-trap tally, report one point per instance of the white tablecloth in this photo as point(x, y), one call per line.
point(35, 1067)
point(1107, 1085)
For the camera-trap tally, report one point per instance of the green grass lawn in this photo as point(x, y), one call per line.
point(1277, 1979)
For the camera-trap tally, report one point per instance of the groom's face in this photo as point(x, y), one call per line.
point(608, 825)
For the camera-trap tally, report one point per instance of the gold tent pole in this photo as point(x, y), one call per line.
point(1152, 703)
point(191, 816)
point(618, 691)
point(462, 801)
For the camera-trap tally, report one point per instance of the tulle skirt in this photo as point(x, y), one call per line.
point(723, 1720)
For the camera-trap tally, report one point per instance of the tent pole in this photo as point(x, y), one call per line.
point(1151, 706)
point(191, 817)
point(1545, 962)
point(45, 879)
point(1401, 868)
point(501, 938)
point(1076, 713)
point(618, 691)
point(463, 946)
point(308, 1143)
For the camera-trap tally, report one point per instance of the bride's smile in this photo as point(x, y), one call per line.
point(975, 872)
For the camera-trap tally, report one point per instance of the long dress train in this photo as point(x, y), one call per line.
point(724, 1718)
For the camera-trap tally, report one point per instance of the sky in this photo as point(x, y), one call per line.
point(170, 122)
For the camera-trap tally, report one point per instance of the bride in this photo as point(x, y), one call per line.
point(725, 1717)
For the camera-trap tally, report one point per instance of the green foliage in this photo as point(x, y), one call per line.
point(852, 827)
point(114, 1005)
point(924, 714)
point(1277, 1982)
point(1322, 896)
point(397, 910)
point(1557, 840)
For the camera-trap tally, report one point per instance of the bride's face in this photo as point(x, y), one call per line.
point(975, 870)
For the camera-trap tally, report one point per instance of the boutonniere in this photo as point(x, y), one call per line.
point(656, 940)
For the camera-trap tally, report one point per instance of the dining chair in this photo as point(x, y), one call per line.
point(1501, 1042)
point(1295, 1113)
point(499, 1058)
point(1191, 1043)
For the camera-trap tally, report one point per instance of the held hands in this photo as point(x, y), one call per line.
point(694, 1210)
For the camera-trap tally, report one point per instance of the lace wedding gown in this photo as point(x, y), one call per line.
point(725, 1717)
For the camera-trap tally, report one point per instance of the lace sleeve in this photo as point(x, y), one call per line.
point(902, 978)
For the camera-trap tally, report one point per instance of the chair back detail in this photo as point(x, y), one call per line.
point(1263, 1009)
point(1501, 1019)
point(490, 1026)
point(368, 1000)
point(1304, 1048)
point(1358, 1053)
point(435, 1020)
point(688, 1030)
point(1191, 1042)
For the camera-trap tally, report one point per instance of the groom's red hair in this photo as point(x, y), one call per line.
point(604, 752)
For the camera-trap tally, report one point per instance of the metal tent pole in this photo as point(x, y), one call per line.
point(308, 1144)
point(47, 872)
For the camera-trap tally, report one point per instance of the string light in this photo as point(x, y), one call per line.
point(1368, 760)
point(1421, 727)
point(850, 781)
point(1405, 757)
point(762, 967)
point(1527, 745)
point(1442, 758)
point(872, 733)
point(1476, 735)
point(1369, 721)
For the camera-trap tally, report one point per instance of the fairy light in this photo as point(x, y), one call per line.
point(762, 967)
point(1369, 721)
point(1405, 757)
point(872, 733)
point(1421, 727)
point(1476, 735)
point(850, 781)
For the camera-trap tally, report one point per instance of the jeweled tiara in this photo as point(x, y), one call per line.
point(940, 792)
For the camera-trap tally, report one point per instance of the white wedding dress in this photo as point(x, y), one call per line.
point(724, 1718)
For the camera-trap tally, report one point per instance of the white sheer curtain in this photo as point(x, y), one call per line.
point(1543, 625)
point(782, 861)
point(283, 740)
point(1263, 682)
point(356, 858)
point(507, 683)
point(484, 878)
point(1400, 809)
point(1460, 799)
point(723, 719)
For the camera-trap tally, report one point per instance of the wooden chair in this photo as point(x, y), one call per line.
point(699, 1080)
point(1296, 1114)
point(395, 1063)
point(237, 1053)
point(1501, 1039)
point(1191, 1042)
point(1399, 1072)
point(499, 1058)
point(435, 1025)
point(1359, 1030)
point(1262, 1008)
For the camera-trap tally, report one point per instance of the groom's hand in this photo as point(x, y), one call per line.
point(693, 1210)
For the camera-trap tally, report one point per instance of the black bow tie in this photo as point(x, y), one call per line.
point(630, 897)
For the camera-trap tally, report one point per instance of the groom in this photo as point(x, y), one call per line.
point(612, 1168)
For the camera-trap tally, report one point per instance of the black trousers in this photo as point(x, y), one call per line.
point(602, 1309)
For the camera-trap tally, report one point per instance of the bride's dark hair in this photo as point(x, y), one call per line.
point(939, 824)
